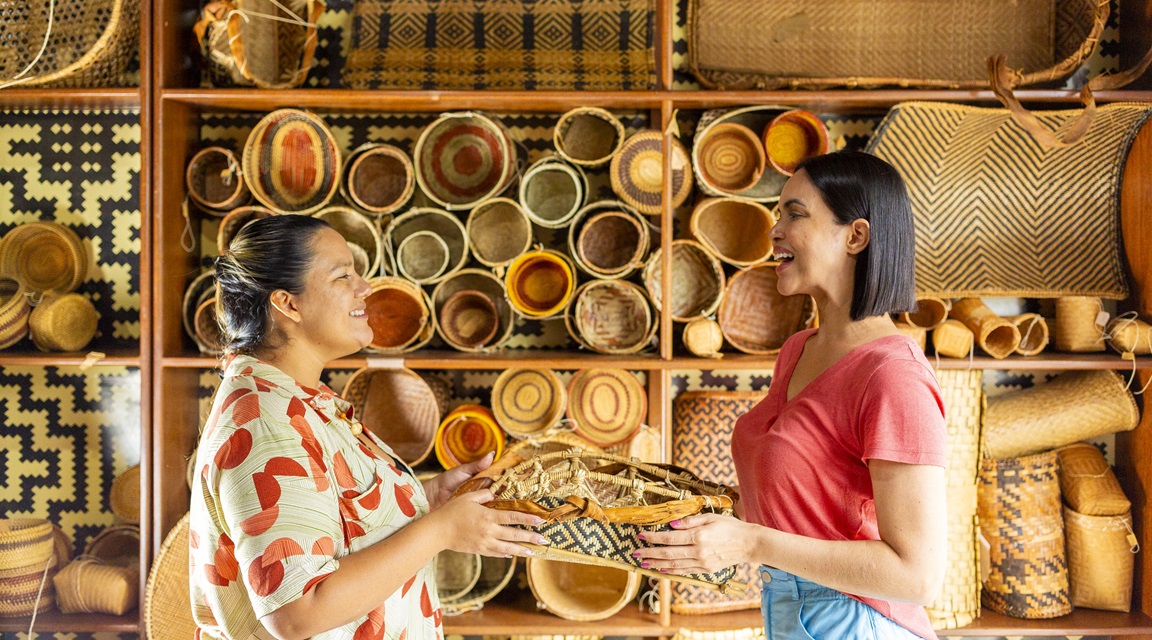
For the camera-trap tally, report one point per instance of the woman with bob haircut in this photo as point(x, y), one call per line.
point(841, 466)
point(303, 523)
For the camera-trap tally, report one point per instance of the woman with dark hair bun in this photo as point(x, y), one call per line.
point(304, 524)
point(841, 466)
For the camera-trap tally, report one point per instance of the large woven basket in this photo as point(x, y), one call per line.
point(358, 231)
point(25, 542)
point(1073, 406)
point(378, 178)
point(214, 180)
point(552, 191)
point(461, 323)
point(292, 162)
point(697, 281)
point(997, 336)
point(588, 136)
point(399, 407)
point(269, 44)
point(167, 597)
point(540, 283)
point(45, 257)
point(464, 158)
point(21, 590)
point(27, 549)
point(953, 339)
point(527, 402)
point(607, 406)
point(731, 158)
point(611, 316)
point(1101, 556)
point(456, 573)
point(234, 221)
point(637, 172)
point(419, 260)
point(498, 231)
point(608, 239)
point(63, 323)
point(768, 185)
point(86, 585)
point(734, 229)
point(1087, 482)
point(14, 312)
point(400, 315)
point(580, 592)
point(495, 574)
point(754, 317)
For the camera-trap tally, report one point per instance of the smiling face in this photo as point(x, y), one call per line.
point(331, 307)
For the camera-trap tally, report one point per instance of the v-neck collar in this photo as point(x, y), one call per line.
point(854, 352)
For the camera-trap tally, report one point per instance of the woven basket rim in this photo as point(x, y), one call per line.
point(627, 384)
point(703, 207)
point(426, 431)
point(617, 175)
point(163, 570)
point(572, 319)
point(428, 319)
point(202, 283)
point(228, 228)
point(508, 170)
point(108, 38)
point(125, 487)
point(66, 322)
point(759, 159)
point(723, 316)
point(505, 313)
point(810, 124)
point(478, 414)
point(515, 269)
point(533, 424)
point(565, 120)
point(592, 210)
point(240, 193)
point(579, 183)
point(767, 189)
point(489, 305)
point(413, 216)
point(655, 266)
point(353, 162)
point(252, 170)
point(479, 211)
point(358, 220)
point(16, 243)
point(630, 591)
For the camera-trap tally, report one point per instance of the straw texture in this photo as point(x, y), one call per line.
point(14, 312)
point(552, 191)
point(792, 137)
point(116, 545)
point(124, 498)
point(356, 230)
point(952, 339)
point(1129, 335)
point(292, 162)
point(703, 337)
point(755, 118)
point(608, 406)
point(234, 221)
point(498, 230)
point(1079, 324)
point(1033, 333)
point(464, 158)
point(45, 257)
point(269, 44)
point(468, 433)
point(929, 314)
point(399, 407)
point(495, 574)
point(588, 136)
point(87, 586)
point(63, 323)
point(456, 573)
point(528, 401)
point(754, 317)
point(1101, 556)
point(580, 592)
point(734, 230)
point(611, 316)
point(997, 336)
point(637, 172)
point(400, 314)
point(1088, 484)
point(731, 158)
point(167, 599)
point(214, 180)
point(697, 281)
point(454, 327)
point(378, 178)
point(540, 283)
point(431, 224)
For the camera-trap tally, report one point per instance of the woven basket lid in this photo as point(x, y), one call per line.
point(356, 230)
point(528, 401)
point(638, 172)
point(214, 180)
point(540, 283)
point(63, 323)
point(167, 613)
point(469, 432)
point(697, 281)
point(45, 257)
point(792, 137)
point(464, 158)
point(754, 317)
point(399, 313)
point(428, 221)
point(476, 281)
point(378, 178)
point(235, 220)
point(736, 230)
point(399, 407)
point(202, 287)
point(731, 158)
point(611, 316)
point(292, 162)
point(14, 312)
point(124, 496)
point(581, 592)
point(607, 405)
point(498, 231)
point(552, 191)
point(588, 136)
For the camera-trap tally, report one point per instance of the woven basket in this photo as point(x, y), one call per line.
point(63, 323)
point(703, 337)
point(456, 573)
point(464, 158)
point(20, 586)
point(234, 221)
point(919, 335)
point(1019, 511)
point(28, 549)
point(25, 542)
point(637, 172)
point(167, 596)
point(1033, 331)
point(269, 44)
point(124, 496)
point(734, 229)
point(754, 317)
point(540, 283)
point(551, 442)
point(117, 545)
point(214, 180)
point(611, 316)
point(456, 327)
point(468, 318)
point(1101, 557)
point(292, 162)
point(929, 314)
point(498, 231)
point(608, 239)
point(1125, 335)
point(420, 262)
point(552, 191)
point(399, 407)
point(495, 574)
point(1087, 482)
point(792, 137)
point(209, 336)
point(755, 119)
point(14, 312)
point(45, 257)
point(526, 402)
point(1073, 406)
point(997, 336)
point(356, 230)
point(697, 281)
point(87, 586)
point(588, 136)
point(468, 433)
point(378, 178)
point(953, 340)
point(607, 406)
point(731, 158)
point(202, 287)
point(580, 592)
point(400, 314)
point(1079, 324)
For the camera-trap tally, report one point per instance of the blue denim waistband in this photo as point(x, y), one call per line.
point(777, 580)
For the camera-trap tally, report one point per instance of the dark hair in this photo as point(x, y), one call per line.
point(266, 255)
point(856, 185)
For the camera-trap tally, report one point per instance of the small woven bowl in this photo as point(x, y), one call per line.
point(637, 172)
point(357, 230)
point(731, 158)
point(792, 137)
point(581, 592)
point(215, 182)
point(117, 545)
point(292, 162)
point(468, 433)
point(456, 572)
point(378, 178)
point(539, 283)
point(124, 496)
point(14, 312)
point(608, 406)
point(398, 406)
point(235, 220)
point(611, 316)
point(45, 257)
point(736, 230)
point(526, 402)
point(468, 318)
point(63, 323)
point(445, 225)
point(753, 315)
point(462, 159)
point(552, 191)
point(208, 331)
point(498, 231)
point(588, 136)
point(399, 313)
point(475, 281)
point(697, 281)
point(608, 239)
point(423, 257)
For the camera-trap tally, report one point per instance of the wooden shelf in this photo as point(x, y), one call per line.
point(882, 99)
point(439, 359)
point(515, 613)
point(112, 357)
point(54, 621)
point(1043, 362)
point(16, 98)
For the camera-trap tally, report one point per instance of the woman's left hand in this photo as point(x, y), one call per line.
point(440, 489)
point(702, 543)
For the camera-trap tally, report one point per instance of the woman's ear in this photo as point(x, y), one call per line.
point(859, 235)
point(284, 304)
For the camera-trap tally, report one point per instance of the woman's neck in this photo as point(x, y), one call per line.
point(301, 365)
point(838, 327)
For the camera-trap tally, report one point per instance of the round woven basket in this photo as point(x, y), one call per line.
point(167, 613)
point(551, 443)
point(208, 334)
point(637, 172)
point(703, 337)
point(609, 244)
point(200, 289)
point(45, 257)
point(735, 230)
point(1087, 483)
point(456, 574)
point(1125, 335)
point(124, 496)
point(378, 178)
point(753, 315)
point(464, 158)
point(400, 315)
point(731, 158)
point(21, 586)
point(756, 118)
point(14, 312)
point(526, 402)
point(792, 137)
point(611, 316)
point(468, 433)
point(929, 314)
point(292, 162)
point(63, 323)
point(588, 136)
point(498, 231)
point(495, 574)
point(608, 406)
point(1079, 324)
point(581, 592)
point(437, 222)
point(552, 191)
point(215, 182)
point(697, 281)
point(460, 324)
point(357, 231)
point(1100, 560)
point(25, 542)
point(953, 340)
point(997, 336)
point(422, 256)
point(540, 283)
point(399, 407)
point(116, 545)
point(235, 220)
point(1033, 333)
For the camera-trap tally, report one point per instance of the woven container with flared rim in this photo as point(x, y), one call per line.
point(1079, 325)
point(929, 314)
point(423, 260)
point(703, 337)
point(269, 44)
point(464, 158)
point(208, 333)
point(755, 318)
point(167, 613)
point(608, 406)
point(997, 336)
point(697, 281)
point(235, 220)
point(1019, 511)
point(952, 339)
point(540, 283)
point(45, 257)
point(14, 312)
point(1127, 335)
point(552, 191)
point(468, 433)
point(588, 136)
point(1073, 406)
point(88, 586)
point(526, 402)
point(734, 229)
point(498, 231)
point(20, 586)
point(767, 188)
point(356, 230)
point(124, 497)
point(1101, 557)
point(292, 162)
point(1033, 333)
point(611, 316)
point(214, 180)
point(919, 335)
point(453, 327)
point(455, 573)
point(580, 592)
point(731, 158)
point(378, 178)
point(608, 239)
point(116, 545)
point(637, 172)
point(1087, 482)
point(792, 137)
point(399, 407)
point(495, 574)
point(63, 323)
point(400, 315)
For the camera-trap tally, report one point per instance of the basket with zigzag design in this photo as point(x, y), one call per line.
point(594, 505)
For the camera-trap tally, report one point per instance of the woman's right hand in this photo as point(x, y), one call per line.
point(474, 528)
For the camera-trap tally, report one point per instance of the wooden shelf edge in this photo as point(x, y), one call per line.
point(71, 359)
point(16, 98)
point(519, 616)
point(55, 622)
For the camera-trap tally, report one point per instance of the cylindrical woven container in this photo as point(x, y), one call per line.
point(378, 178)
point(45, 257)
point(792, 137)
point(952, 339)
point(399, 407)
point(1033, 333)
point(608, 239)
point(208, 333)
point(415, 262)
point(1125, 335)
point(214, 180)
point(167, 613)
point(456, 573)
point(929, 314)
point(611, 316)
point(116, 545)
point(235, 220)
point(997, 336)
point(63, 323)
point(1079, 324)
point(637, 172)
point(552, 191)
point(918, 334)
point(697, 281)
point(124, 496)
point(14, 312)
point(27, 548)
point(1101, 557)
point(1087, 482)
point(468, 433)
point(468, 318)
point(20, 586)
point(731, 158)
point(703, 337)
point(581, 592)
point(25, 542)
point(400, 314)
point(422, 256)
point(455, 327)
point(528, 401)
point(87, 586)
point(754, 317)
point(464, 158)
point(292, 162)
point(356, 230)
point(1019, 512)
point(495, 574)
point(608, 406)
point(1073, 406)
point(734, 230)
point(540, 283)
point(588, 136)
point(498, 231)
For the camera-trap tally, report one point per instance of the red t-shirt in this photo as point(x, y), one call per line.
point(803, 464)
